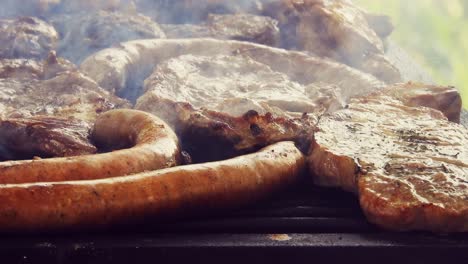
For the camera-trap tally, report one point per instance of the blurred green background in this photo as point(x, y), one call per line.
point(434, 32)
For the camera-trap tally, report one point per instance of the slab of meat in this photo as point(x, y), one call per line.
point(235, 100)
point(69, 94)
point(15, 8)
point(193, 11)
point(125, 67)
point(85, 33)
point(33, 69)
point(336, 29)
point(44, 137)
point(240, 107)
point(26, 37)
point(245, 27)
point(408, 165)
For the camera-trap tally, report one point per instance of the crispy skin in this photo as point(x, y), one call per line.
point(336, 29)
point(409, 165)
point(44, 136)
point(26, 37)
point(151, 145)
point(173, 192)
point(244, 27)
point(70, 94)
point(84, 33)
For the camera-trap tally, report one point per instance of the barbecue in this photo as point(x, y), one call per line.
point(289, 124)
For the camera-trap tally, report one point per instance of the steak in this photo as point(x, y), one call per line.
point(44, 137)
point(336, 29)
point(85, 33)
point(407, 164)
point(26, 37)
point(245, 27)
point(69, 94)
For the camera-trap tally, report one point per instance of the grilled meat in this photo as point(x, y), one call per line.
point(193, 11)
point(233, 99)
point(26, 37)
point(245, 27)
point(13, 8)
point(44, 136)
point(85, 33)
point(124, 68)
point(69, 94)
point(33, 69)
point(409, 165)
point(336, 29)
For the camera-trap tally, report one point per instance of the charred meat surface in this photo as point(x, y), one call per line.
point(234, 99)
point(336, 29)
point(85, 33)
point(26, 37)
point(44, 137)
point(408, 165)
point(245, 27)
point(33, 69)
point(69, 94)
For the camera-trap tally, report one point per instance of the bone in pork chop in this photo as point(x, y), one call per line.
point(336, 29)
point(26, 37)
point(85, 33)
point(409, 165)
point(44, 137)
point(245, 27)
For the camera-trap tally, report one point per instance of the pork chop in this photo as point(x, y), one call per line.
point(245, 27)
point(26, 37)
point(34, 69)
point(336, 29)
point(44, 137)
point(408, 164)
point(69, 94)
point(85, 33)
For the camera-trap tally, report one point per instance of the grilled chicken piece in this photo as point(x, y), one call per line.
point(26, 37)
point(69, 94)
point(33, 69)
point(85, 33)
point(44, 137)
point(245, 27)
point(408, 165)
point(336, 29)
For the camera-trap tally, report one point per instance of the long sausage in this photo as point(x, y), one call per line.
point(163, 193)
point(155, 146)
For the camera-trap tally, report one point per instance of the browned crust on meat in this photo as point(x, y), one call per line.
point(164, 193)
point(401, 215)
point(407, 164)
point(153, 146)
